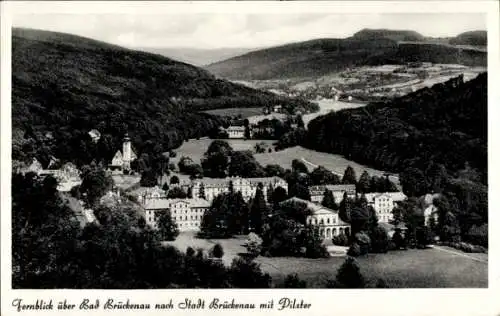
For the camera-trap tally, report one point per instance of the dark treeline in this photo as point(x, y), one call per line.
point(68, 85)
point(445, 124)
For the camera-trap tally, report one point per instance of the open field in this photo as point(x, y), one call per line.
point(244, 112)
point(195, 148)
point(328, 105)
point(411, 268)
point(335, 163)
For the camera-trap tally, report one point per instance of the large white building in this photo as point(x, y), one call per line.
point(338, 190)
point(237, 132)
point(327, 220)
point(187, 213)
point(247, 186)
point(384, 203)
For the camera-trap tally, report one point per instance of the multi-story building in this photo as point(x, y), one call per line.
point(338, 190)
point(236, 131)
point(210, 188)
point(384, 203)
point(187, 213)
point(327, 220)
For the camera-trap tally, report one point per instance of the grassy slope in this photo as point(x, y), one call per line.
point(323, 56)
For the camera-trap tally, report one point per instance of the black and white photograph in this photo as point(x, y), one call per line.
point(260, 150)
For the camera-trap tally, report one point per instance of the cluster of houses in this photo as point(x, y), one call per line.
point(188, 212)
point(67, 175)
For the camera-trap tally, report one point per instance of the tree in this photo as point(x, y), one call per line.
point(278, 196)
point(174, 180)
point(95, 183)
point(253, 244)
point(398, 240)
point(243, 164)
point(216, 159)
point(247, 274)
point(349, 275)
point(258, 210)
point(413, 182)
point(167, 227)
point(379, 240)
point(217, 251)
point(176, 193)
point(274, 171)
point(423, 236)
point(165, 187)
point(292, 281)
point(329, 200)
point(299, 167)
point(148, 178)
point(349, 176)
point(320, 176)
point(363, 185)
point(345, 209)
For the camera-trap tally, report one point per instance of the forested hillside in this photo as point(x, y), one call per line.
point(66, 85)
point(476, 38)
point(445, 124)
point(323, 56)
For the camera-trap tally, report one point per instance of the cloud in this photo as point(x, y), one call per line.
point(208, 30)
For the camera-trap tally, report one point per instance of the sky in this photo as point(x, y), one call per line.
point(223, 30)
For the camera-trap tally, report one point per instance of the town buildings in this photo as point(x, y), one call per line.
point(338, 190)
point(210, 188)
point(326, 220)
point(384, 203)
point(187, 213)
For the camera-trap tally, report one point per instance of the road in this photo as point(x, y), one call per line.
point(459, 253)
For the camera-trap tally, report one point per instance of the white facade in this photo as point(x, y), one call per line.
point(326, 220)
point(187, 213)
point(338, 190)
point(247, 186)
point(236, 131)
point(384, 203)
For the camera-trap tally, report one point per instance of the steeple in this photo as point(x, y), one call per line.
point(127, 152)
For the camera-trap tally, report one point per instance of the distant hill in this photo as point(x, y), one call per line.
point(68, 85)
point(445, 124)
point(198, 57)
point(475, 38)
point(394, 35)
point(320, 57)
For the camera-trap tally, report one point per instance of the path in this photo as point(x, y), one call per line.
point(315, 166)
point(459, 253)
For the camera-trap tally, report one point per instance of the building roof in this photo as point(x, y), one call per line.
point(316, 209)
point(332, 187)
point(158, 204)
point(395, 196)
point(236, 128)
point(223, 182)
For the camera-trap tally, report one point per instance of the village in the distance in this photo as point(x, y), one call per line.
point(358, 162)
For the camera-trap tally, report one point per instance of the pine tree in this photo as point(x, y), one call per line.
point(349, 176)
point(258, 210)
point(329, 200)
point(364, 183)
point(349, 275)
point(345, 209)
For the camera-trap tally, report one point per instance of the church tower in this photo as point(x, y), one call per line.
point(127, 152)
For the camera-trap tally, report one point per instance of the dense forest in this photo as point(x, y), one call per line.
point(445, 124)
point(65, 85)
